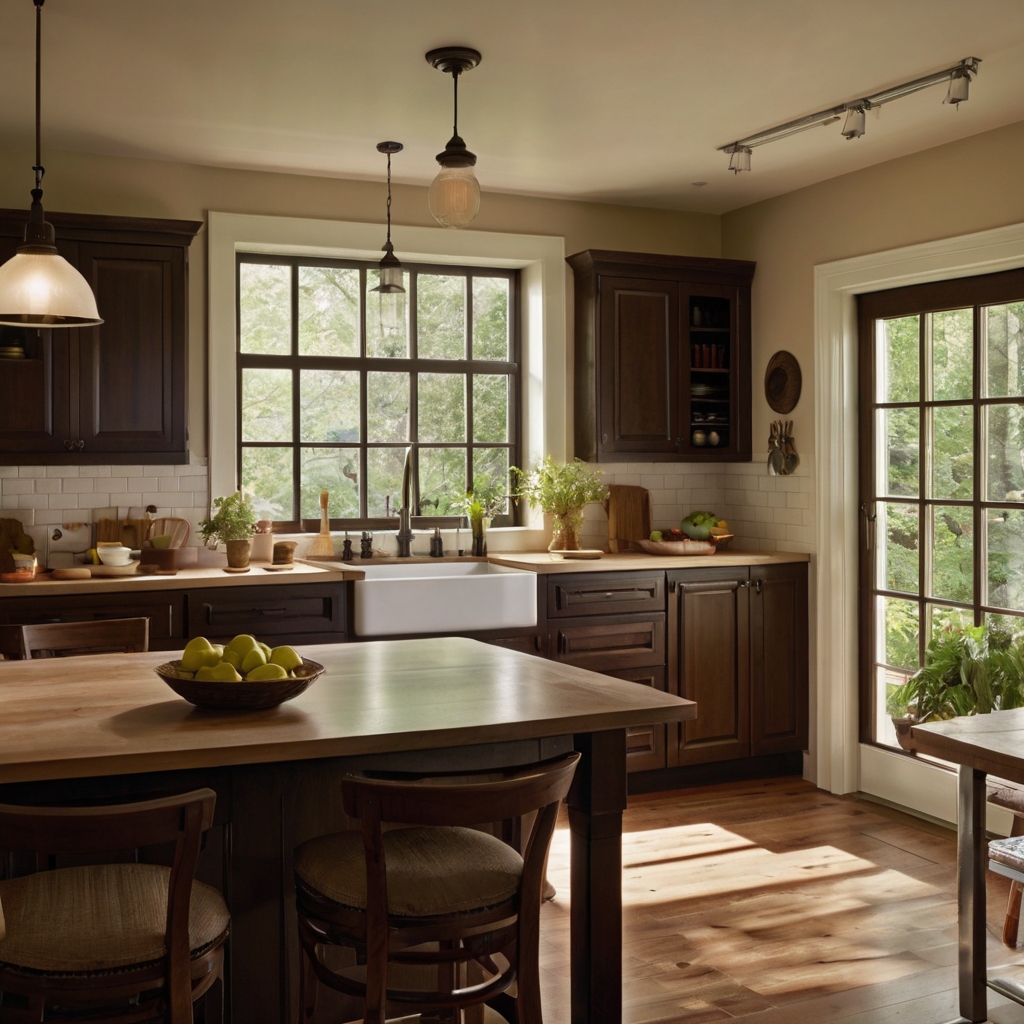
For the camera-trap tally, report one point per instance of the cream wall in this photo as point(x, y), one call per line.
point(951, 190)
point(84, 183)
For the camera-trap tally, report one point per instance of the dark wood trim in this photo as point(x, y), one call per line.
point(638, 262)
point(91, 227)
point(767, 766)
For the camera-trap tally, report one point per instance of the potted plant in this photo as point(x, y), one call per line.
point(234, 522)
point(481, 505)
point(970, 671)
point(562, 489)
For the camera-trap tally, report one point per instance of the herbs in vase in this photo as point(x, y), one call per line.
point(480, 506)
point(563, 490)
point(234, 522)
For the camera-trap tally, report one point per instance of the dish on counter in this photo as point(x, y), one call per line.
point(558, 554)
point(114, 570)
point(677, 547)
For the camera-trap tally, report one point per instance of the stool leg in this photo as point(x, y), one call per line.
point(1012, 923)
point(307, 988)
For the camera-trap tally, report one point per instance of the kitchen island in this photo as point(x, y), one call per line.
point(105, 727)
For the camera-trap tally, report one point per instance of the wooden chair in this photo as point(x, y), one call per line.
point(433, 893)
point(114, 942)
point(1011, 796)
point(102, 636)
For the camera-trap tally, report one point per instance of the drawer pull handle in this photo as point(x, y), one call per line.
point(209, 614)
point(270, 611)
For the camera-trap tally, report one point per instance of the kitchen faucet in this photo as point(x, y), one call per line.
point(405, 534)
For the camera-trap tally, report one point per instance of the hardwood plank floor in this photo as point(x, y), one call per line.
point(779, 903)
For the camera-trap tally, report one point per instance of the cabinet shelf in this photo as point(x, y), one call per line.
point(710, 369)
point(710, 330)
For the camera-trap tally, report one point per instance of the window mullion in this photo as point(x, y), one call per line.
point(980, 463)
point(296, 405)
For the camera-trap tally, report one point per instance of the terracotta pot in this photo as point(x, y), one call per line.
point(903, 727)
point(238, 552)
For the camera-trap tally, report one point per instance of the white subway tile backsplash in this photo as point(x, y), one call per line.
point(8, 471)
point(124, 499)
point(62, 471)
point(77, 485)
point(32, 471)
point(94, 470)
point(33, 501)
point(18, 485)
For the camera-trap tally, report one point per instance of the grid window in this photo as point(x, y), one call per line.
point(942, 473)
point(331, 394)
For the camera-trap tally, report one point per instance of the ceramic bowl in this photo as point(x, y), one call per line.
point(114, 555)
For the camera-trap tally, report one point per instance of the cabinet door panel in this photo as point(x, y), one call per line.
point(714, 667)
point(312, 609)
point(615, 642)
point(779, 671)
point(646, 745)
point(132, 367)
point(639, 365)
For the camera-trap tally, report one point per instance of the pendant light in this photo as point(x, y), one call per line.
point(454, 196)
point(38, 287)
point(391, 289)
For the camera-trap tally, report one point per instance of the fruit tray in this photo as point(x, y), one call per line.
point(247, 695)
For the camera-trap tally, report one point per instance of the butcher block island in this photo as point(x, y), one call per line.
point(106, 728)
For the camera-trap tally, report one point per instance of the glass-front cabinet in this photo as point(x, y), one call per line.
point(662, 357)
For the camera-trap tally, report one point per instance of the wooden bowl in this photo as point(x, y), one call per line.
point(244, 696)
point(677, 547)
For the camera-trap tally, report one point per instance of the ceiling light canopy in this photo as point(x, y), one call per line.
point(854, 111)
point(454, 196)
point(38, 287)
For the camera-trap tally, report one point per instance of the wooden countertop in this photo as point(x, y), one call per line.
point(186, 579)
point(542, 562)
point(110, 714)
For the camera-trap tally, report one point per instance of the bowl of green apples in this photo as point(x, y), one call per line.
point(242, 675)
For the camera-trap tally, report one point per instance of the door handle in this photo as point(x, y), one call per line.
point(757, 585)
point(209, 614)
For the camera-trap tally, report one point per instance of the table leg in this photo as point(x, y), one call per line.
point(970, 882)
point(596, 803)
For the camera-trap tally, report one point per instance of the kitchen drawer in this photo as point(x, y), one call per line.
point(614, 642)
point(166, 612)
point(605, 593)
point(534, 643)
point(312, 612)
point(646, 745)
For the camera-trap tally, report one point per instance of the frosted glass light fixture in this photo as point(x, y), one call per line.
point(38, 287)
point(391, 289)
point(454, 196)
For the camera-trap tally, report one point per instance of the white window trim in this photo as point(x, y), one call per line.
point(544, 373)
point(845, 765)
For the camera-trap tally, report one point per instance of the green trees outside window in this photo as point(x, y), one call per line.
point(942, 479)
point(329, 398)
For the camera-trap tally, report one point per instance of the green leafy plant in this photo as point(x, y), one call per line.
point(970, 671)
point(483, 502)
point(563, 489)
point(233, 519)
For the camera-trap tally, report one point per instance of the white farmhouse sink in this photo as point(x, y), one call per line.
point(449, 597)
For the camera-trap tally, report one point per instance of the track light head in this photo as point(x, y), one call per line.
point(739, 158)
point(959, 87)
point(854, 126)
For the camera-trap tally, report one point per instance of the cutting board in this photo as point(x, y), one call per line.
point(629, 516)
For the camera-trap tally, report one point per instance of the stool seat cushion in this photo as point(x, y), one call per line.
point(1006, 794)
point(102, 917)
point(430, 871)
point(1008, 851)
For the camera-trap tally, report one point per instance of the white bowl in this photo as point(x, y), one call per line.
point(114, 555)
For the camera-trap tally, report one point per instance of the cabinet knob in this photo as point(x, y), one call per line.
point(604, 439)
point(743, 584)
point(74, 446)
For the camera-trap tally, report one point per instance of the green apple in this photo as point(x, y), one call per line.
point(266, 672)
point(233, 658)
point(252, 660)
point(265, 649)
point(182, 674)
point(656, 535)
point(287, 657)
point(199, 652)
point(222, 673)
point(243, 644)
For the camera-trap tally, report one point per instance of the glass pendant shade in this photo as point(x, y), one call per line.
point(454, 197)
point(40, 289)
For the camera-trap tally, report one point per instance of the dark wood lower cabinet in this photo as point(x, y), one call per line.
point(713, 663)
point(646, 745)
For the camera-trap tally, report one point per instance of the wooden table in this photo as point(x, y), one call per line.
point(980, 745)
point(106, 725)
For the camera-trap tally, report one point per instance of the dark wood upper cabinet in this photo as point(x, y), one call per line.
point(662, 357)
point(116, 393)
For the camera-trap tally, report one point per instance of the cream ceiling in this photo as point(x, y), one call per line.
point(587, 99)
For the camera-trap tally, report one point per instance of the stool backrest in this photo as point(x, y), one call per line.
point(104, 635)
point(83, 830)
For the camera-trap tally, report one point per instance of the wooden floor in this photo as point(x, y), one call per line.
point(781, 904)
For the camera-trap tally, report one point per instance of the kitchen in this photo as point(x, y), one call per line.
point(198, 206)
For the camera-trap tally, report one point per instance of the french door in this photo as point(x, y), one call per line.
point(941, 473)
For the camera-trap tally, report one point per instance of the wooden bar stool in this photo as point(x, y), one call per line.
point(1011, 796)
point(432, 893)
point(61, 638)
point(109, 942)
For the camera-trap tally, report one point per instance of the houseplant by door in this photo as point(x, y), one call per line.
point(562, 489)
point(234, 522)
